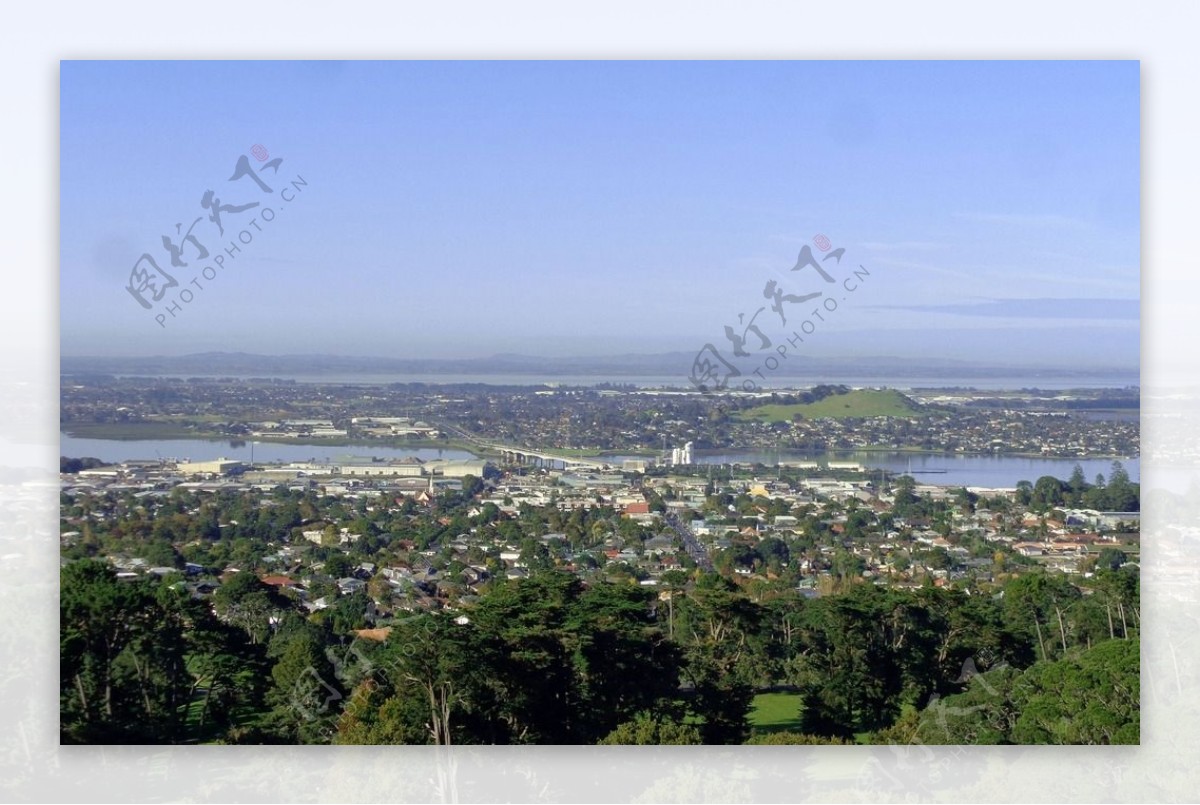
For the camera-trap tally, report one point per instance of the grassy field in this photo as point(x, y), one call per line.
point(775, 712)
point(130, 430)
point(780, 712)
point(857, 403)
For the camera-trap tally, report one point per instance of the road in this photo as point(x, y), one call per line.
point(690, 543)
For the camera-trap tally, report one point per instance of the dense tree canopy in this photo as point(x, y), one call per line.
point(141, 662)
point(556, 658)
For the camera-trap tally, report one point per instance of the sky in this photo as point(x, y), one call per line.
point(988, 211)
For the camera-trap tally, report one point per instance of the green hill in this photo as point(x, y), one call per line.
point(856, 403)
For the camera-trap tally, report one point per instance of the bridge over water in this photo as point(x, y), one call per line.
point(525, 456)
point(513, 455)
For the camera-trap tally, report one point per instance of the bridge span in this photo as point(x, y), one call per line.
point(523, 456)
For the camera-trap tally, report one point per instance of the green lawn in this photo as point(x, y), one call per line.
point(780, 712)
point(775, 712)
point(857, 403)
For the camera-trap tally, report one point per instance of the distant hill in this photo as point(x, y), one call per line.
point(856, 403)
point(664, 364)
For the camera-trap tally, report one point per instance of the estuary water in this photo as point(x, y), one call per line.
point(943, 470)
point(262, 451)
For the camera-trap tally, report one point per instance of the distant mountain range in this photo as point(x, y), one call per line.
point(665, 364)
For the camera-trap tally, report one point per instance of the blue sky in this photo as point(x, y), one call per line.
point(582, 208)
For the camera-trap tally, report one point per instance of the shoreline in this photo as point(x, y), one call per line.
point(156, 432)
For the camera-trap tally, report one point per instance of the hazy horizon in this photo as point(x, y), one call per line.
point(574, 209)
point(850, 360)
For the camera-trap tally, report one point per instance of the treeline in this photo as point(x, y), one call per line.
point(143, 662)
point(1117, 494)
point(1087, 697)
point(74, 465)
point(549, 659)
